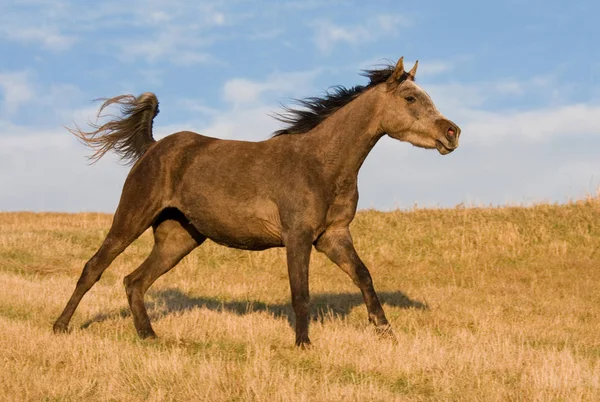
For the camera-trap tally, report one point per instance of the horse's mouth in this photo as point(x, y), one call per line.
point(442, 148)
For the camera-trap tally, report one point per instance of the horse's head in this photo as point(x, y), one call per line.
point(408, 113)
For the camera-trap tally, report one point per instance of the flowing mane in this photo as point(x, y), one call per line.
point(314, 109)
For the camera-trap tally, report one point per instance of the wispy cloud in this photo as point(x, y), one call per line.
point(171, 45)
point(459, 96)
point(17, 90)
point(328, 34)
point(172, 33)
point(239, 91)
point(48, 37)
point(37, 23)
point(538, 125)
point(268, 34)
point(52, 103)
point(178, 35)
point(433, 67)
point(251, 123)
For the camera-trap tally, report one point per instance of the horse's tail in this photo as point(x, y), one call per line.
point(130, 135)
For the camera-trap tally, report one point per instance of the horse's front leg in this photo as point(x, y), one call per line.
point(338, 246)
point(298, 247)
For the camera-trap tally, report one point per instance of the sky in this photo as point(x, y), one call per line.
point(521, 79)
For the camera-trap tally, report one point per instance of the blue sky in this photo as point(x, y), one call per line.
point(519, 77)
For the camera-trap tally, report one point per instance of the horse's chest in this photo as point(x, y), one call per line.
point(343, 207)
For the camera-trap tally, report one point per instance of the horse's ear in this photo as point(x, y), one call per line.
point(413, 71)
point(398, 71)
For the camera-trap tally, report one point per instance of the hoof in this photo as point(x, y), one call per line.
point(386, 332)
point(59, 328)
point(303, 343)
point(147, 334)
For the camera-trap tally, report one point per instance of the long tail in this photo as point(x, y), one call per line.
point(128, 136)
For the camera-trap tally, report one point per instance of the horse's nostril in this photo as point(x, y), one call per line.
point(451, 134)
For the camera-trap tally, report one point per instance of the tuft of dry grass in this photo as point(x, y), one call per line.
point(487, 303)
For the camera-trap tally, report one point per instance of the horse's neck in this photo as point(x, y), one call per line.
point(343, 140)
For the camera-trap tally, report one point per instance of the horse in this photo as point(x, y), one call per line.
point(297, 189)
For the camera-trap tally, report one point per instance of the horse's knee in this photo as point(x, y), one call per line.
point(130, 285)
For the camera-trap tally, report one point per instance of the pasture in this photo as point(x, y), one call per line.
point(487, 304)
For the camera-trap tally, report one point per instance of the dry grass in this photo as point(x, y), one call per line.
point(488, 304)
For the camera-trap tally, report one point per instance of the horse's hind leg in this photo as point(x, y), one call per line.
point(174, 238)
point(127, 226)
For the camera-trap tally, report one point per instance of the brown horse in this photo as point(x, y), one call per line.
point(294, 190)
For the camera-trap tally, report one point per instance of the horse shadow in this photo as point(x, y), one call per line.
point(338, 305)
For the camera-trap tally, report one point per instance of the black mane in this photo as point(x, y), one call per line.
point(315, 110)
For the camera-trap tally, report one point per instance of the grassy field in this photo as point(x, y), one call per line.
point(487, 304)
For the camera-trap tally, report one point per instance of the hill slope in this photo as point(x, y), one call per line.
point(490, 304)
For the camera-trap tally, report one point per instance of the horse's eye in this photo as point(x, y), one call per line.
point(410, 99)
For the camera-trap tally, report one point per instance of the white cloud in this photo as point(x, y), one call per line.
point(465, 97)
point(179, 44)
point(51, 173)
point(52, 103)
point(17, 90)
point(197, 106)
point(218, 18)
point(47, 37)
point(249, 117)
point(175, 32)
point(46, 169)
point(178, 32)
point(169, 45)
point(189, 58)
point(307, 4)
point(433, 67)
point(534, 126)
point(240, 91)
point(509, 88)
point(389, 24)
point(268, 34)
point(251, 124)
point(33, 141)
point(328, 34)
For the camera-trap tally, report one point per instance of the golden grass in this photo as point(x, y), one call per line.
point(488, 304)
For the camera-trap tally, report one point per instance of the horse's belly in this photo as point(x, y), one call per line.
point(233, 210)
point(244, 232)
